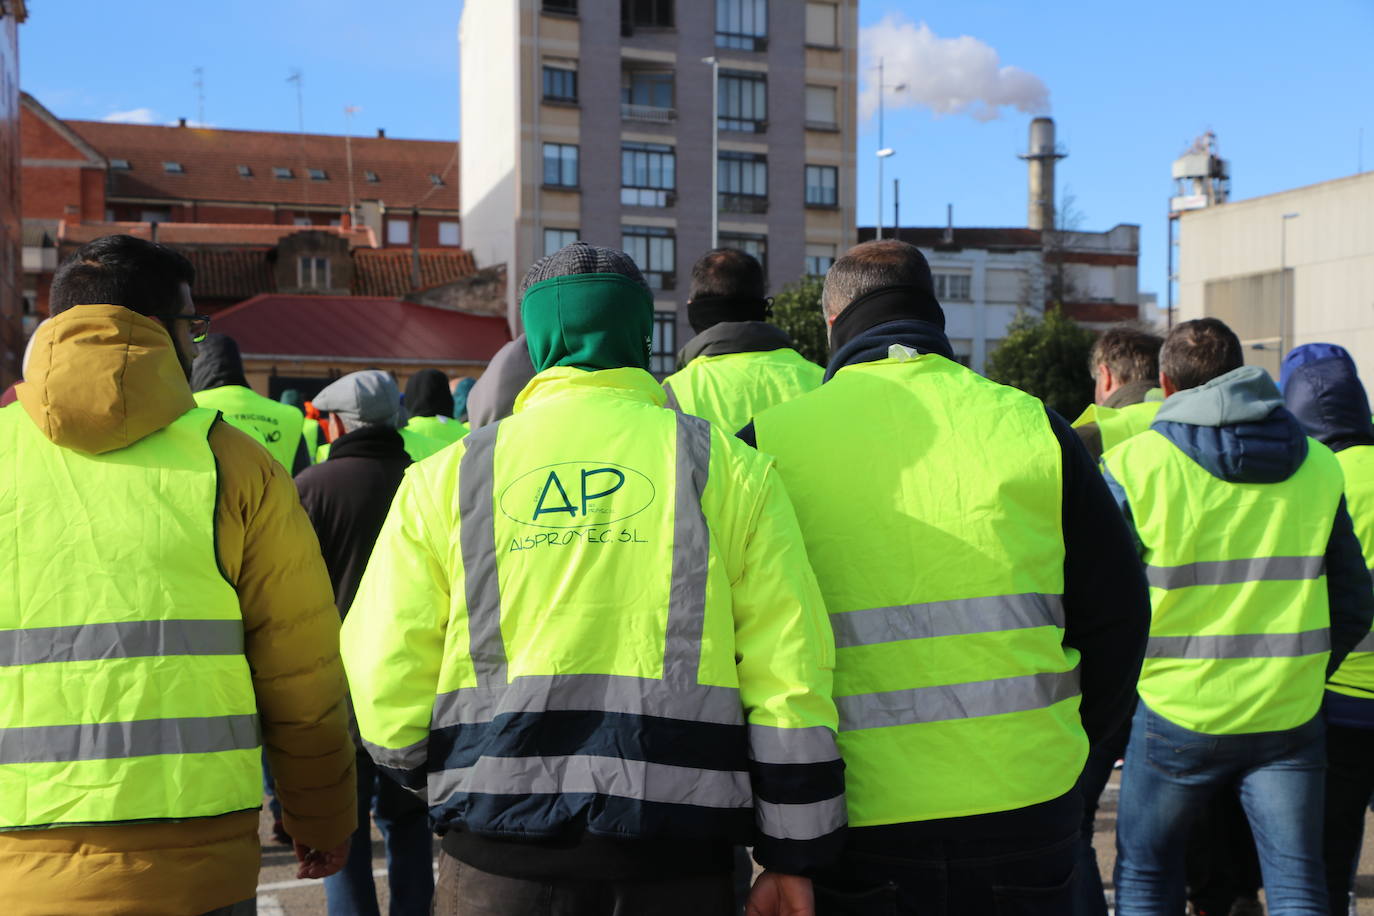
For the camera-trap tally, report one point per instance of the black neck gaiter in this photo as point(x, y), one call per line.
point(890, 303)
point(705, 312)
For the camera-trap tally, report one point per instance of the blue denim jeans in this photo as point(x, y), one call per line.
point(1170, 774)
point(403, 821)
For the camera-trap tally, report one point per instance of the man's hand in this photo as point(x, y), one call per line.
point(317, 863)
point(775, 894)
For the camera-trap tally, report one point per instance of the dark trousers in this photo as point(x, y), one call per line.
point(465, 891)
point(242, 908)
point(993, 875)
point(403, 821)
point(1349, 785)
point(1222, 865)
point(1090, 898)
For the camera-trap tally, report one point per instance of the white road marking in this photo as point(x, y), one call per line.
point(270, 906)
point(303, 882)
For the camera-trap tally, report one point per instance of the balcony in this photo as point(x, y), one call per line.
point(743, 203)
point(650, 113)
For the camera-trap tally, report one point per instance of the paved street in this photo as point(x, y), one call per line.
point(280, 894)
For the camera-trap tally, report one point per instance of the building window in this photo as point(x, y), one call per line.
point(663, 359)
point(317, 174)
point(742, 24)
point(155, 216)
point(370, 176)
point(818, 259)
point(435, 180)
point(742, 101)
point(560, 165)
point(173, 168)
point(646, 89)
point(449, 234)
point(646, 14)
point(398, 231)
point(312, 273)
point(648, 175)
point(821, 30)
point(821, 190)
point(279, 171)
point(756, 245)
point(952, 287)
point(121, 164)
point(560, 84)
point(820, 107)
point(654, 249)
point(743, 182)
point(565, 7)
point(557, 239)
point(302, 221)
point(245, 172)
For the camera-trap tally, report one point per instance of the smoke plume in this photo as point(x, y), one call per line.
point(950, 76)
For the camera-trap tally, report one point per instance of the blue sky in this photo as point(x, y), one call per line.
point(1286, 89)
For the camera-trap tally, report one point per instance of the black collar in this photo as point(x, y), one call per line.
point(884, 305)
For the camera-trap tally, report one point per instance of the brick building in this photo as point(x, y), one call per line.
point(12, 13)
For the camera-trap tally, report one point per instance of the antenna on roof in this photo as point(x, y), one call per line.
point(299, 79)
point(200, 95)
point(349, 112)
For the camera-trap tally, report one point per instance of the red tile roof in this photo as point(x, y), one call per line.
point(360, 328)
point(210, 159)
point(230, 273)
point(389, 271)
point(257, 235)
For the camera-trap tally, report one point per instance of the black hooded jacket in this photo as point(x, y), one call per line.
point(428, 395)
point(219, 364)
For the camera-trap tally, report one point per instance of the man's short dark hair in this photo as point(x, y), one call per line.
point(1195, 352)
point(874, 265)
point(1131, 353)
point(728, 272)
point(139, 275)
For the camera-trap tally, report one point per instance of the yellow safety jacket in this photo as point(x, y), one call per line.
point(1240, 631)
point(1355, 676)
point(442, 429)
point(592, 616)
point(733, 388)
point(1117, 424)
point(127, 693)
point(276, 425)
point(931, 502)
point(310, 431)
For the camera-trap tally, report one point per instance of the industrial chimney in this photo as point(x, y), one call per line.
point(1041, 158)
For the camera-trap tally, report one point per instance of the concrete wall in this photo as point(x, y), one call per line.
point(1000, 285)
point(1329, 255)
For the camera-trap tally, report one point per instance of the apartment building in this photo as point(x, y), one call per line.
point(592, 120)
point(12, 13)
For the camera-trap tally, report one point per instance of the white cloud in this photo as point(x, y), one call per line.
point(950, 76)
point(133, 116)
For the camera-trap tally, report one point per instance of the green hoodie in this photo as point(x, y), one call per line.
point(588, 321)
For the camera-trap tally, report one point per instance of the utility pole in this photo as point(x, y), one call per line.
point(883, 151)
point(349, 112)
point(200, 95)
point(299, 79)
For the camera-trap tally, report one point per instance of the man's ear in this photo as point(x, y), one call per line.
point(1169, 387)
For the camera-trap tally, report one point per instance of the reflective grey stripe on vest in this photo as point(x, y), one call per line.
point(126, 639)
point(1366, 644)
point(801, 822)
point(477, 539)
point(636, 779)
point(691, 554)
point(671, 403)
point(399, 758)
point(956, 701)
point(1230, 572)
point(1244, 645)
point(596, 692)
point(815, 744)
point(144, 738)
point(946, 618)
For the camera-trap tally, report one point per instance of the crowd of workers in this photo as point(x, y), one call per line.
point(887, 625)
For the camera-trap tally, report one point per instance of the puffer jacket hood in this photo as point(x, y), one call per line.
point(1236, 427)
point(218, 363)
point(101, 377)
point(1322, 388)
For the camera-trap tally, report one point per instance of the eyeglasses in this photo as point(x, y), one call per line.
point(200, 325)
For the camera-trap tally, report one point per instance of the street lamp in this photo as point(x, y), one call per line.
point(883, 151)
point(1285, 296)
point(715, 148)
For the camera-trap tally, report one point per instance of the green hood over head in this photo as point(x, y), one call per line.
point(588, 321)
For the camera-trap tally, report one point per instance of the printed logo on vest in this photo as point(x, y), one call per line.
point(577, 494)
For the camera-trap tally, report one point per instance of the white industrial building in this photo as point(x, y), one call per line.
point(1285, 269)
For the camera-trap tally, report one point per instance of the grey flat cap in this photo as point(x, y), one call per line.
point(581, 258)
point(367, 398)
